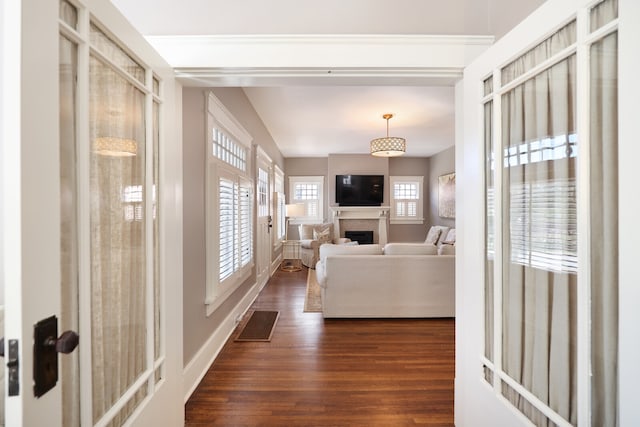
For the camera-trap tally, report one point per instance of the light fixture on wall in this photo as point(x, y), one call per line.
point(115, 147)
point(292, 210)
point(389, 146)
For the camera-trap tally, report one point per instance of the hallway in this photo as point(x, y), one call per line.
point(334, 372)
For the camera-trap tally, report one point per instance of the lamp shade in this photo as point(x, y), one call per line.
point(115, 147)
point(388, 146)
point(294, 210)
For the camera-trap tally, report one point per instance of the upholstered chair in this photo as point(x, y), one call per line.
point(311, 237)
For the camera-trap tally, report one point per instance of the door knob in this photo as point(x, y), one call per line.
point(46, 347)
point(66, 343)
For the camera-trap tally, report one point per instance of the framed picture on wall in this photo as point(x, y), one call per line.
point(447, 195)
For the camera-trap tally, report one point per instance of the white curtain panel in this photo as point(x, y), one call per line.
point(68, 228)
point(118, 255)
point(604, 230)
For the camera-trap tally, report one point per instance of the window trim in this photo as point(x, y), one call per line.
point(218, 117)
point(394, 218)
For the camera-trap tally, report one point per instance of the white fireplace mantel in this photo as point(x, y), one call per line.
point(379, 213)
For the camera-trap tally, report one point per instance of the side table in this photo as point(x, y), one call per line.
point(291, 256)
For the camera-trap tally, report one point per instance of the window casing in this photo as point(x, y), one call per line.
point(407, 199)
point(230, 206)
point(309, 191)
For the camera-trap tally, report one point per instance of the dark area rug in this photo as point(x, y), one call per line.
point(259, 327)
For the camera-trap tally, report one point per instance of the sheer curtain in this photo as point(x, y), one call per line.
point(604, 230)
point(539, 271)
point(118, 254)
point(69, 228)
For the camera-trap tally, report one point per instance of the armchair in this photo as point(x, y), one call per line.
point(311, 237)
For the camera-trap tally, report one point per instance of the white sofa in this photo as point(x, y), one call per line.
point(397, 280)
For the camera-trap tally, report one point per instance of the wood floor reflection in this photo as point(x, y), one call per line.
point(334, 372)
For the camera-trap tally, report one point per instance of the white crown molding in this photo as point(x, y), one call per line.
point(313, 55)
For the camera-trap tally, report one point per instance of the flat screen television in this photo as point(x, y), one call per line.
point(359, 190)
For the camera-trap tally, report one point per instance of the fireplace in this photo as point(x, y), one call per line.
point(364, 237)
point(354, 218)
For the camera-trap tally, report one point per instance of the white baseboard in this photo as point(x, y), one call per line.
point(199, 365)
point(276, 264)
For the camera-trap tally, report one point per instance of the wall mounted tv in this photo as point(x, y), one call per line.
point(359, 190)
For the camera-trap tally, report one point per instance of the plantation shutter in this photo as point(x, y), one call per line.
point(406, 195)
point(543, 225)
point(308, 194)
point(227, 226)
point(246, 246)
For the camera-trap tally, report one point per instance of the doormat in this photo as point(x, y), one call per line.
point(259, 327)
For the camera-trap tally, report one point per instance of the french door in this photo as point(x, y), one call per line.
point(547, 133)
point(91, 169)
point(264, 217)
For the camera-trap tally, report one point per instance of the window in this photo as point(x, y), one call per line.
point(544, 225)
point(229, 194)
point(308, 190)
point(406, 199)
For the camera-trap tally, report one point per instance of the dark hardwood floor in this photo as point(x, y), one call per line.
point(333, 372)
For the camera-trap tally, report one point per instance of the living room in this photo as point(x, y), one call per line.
point(542, 339)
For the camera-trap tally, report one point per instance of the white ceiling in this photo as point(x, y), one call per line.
point(313, 121)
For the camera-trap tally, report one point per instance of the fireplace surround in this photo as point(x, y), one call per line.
point(361, 218)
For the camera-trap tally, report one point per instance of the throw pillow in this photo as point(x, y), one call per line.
point(451, 237)
point(432, 235)
point(443, 234)
point(322, 236)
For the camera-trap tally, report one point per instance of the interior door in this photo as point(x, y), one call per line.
point(30, 201)
point(584, 43)
point(264, 218)
point(63, 192)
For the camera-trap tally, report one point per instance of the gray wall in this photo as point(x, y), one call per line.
point(303, 166)
point(440, 164)
point(197, 326)
point(337, 164)
point(411, 166)
point(356, 164)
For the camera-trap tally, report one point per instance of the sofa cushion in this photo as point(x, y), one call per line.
point(331, 249)
point(433, 235)
point(306, 243)
point(410, 249)
point(447, 249)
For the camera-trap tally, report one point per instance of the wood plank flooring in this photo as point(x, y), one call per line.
point(333, 372)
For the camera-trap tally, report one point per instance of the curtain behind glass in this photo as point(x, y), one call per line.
point(604, 231)
point(539, 305)
point(490, 210)
point(69, 229)
point(118, 257)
